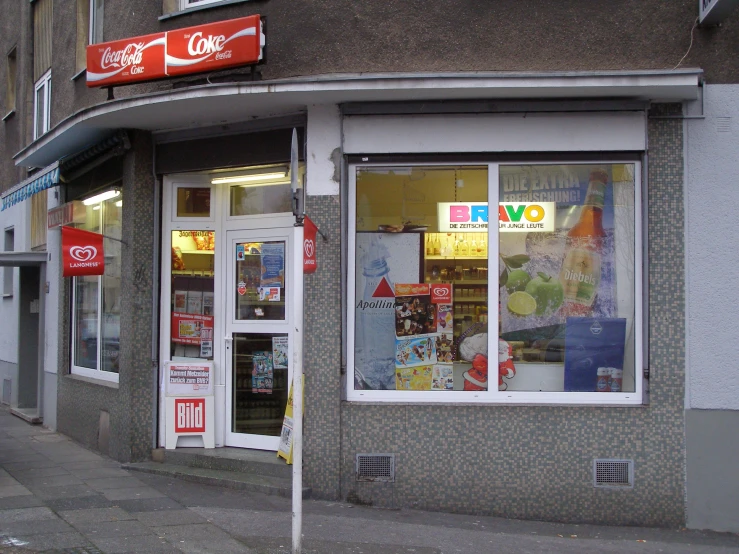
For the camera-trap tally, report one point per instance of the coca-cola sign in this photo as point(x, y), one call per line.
point(184, 51)
point(126, 61)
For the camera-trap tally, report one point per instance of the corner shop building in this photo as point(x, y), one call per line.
point(523, 450)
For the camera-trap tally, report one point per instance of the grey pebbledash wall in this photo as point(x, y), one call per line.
point(515, 461)
point(130, 403)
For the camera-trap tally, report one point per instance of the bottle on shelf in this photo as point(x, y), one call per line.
point(581, 268)
point(437, 245)
point(473, 247)
point(483, 246)
point(429, 244)
point(464, 248)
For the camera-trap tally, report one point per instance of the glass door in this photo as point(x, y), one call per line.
point(258, 341)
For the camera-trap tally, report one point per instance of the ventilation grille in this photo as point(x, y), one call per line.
point(723, 124)
point(613, 473)
point(376, 467)
point(7, 388)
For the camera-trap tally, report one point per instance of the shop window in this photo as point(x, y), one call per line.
point(564, 274)
point(96, 302)
point(9, 246)
point(42, 106)
point(260, 190)
point(192, 308)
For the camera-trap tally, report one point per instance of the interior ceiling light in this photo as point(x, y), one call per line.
point(103, 196)
point(251, 178)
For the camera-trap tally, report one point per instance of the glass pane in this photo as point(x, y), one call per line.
point(260, 383)
point(567, 277)
point(261, 199)
point(111, 327)
point(260, 280)
point(421, 279)
point(40, 111)
point(86, 322)
point(193, 202)
point(193, 308)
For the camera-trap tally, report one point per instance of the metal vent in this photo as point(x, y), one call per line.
point(613, 473)
point(7, 388)
point(723, 124)
point(376, 467)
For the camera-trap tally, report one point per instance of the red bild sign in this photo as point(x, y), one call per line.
point(207, 47)
point(189, 415)
point(82, 252)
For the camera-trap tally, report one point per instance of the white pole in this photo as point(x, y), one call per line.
point(298, 394)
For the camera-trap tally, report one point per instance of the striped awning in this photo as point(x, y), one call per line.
point(47, 178)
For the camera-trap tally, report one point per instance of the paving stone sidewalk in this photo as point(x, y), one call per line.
point(59, 498)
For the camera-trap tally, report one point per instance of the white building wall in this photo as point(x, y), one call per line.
point(323, 163)
point(16, 217)
point(712, 253)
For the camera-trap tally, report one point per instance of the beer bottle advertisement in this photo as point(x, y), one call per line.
point(547, 277)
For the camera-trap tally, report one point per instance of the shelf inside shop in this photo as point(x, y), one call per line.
point(460, 282)
point(470, 299)
point(456, 257)
point(193, 273)
point(211, 252)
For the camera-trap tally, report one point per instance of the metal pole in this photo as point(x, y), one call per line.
point(297, 446)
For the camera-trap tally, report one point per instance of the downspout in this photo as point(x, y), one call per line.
point(155, 292)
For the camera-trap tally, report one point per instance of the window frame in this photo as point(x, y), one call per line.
point(187, 5)
point(8, 272)
point(43, 83)
point(12, 81)
point(86, 371)
point(96, 17)
point(493, 395)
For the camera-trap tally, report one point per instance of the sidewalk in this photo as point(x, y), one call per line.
point(58, 497)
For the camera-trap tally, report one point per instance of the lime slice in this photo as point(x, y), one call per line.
point(521, 303)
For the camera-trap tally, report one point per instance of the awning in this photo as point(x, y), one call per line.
point(201, 106)
point(48, 178)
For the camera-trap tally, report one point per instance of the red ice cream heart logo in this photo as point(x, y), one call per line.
point(309, 247)
point(83, 253)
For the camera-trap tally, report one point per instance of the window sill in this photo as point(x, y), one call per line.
point(79, 74)
point(8, 115)
point(93, 381)
point(167, 16)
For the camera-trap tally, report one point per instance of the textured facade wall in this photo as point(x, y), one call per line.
point(323, 388)
point(131, 402)
point(527, 461)
point(336, 36)
point(712, 400)
point(711, 238)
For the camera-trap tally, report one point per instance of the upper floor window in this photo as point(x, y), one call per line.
point(185, 4)
point(42, 105)
point(89, 28)
point(42, 37)
point(12, 75)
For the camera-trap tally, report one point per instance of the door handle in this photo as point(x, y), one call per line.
point(228, 339)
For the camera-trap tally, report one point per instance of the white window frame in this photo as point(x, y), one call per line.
point(8, 272)
point(96, 18)
point(43, 83)
point(493, 395)
point(189, 4)
point(86, 371)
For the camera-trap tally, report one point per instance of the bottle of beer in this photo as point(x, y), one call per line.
point(581, 269)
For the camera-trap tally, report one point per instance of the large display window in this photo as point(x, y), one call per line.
point(96, 300)
point(541, 307)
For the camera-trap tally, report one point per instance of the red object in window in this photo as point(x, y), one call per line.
point(309, 246)
point(82, 252)
point(441, 293)
point(189, 415)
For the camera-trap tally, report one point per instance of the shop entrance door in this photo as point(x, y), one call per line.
point(259, 293)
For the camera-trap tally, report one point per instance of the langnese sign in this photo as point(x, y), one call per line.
point(82, 253)
point(208, 47)
point(513, 217)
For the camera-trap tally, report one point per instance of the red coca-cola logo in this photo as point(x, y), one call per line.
point(130, 55)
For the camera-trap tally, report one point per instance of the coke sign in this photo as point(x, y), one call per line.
point(184, 51)
point(215, 46)
point(126, 61)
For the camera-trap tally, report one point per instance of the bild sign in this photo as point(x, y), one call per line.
point(209, 47)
